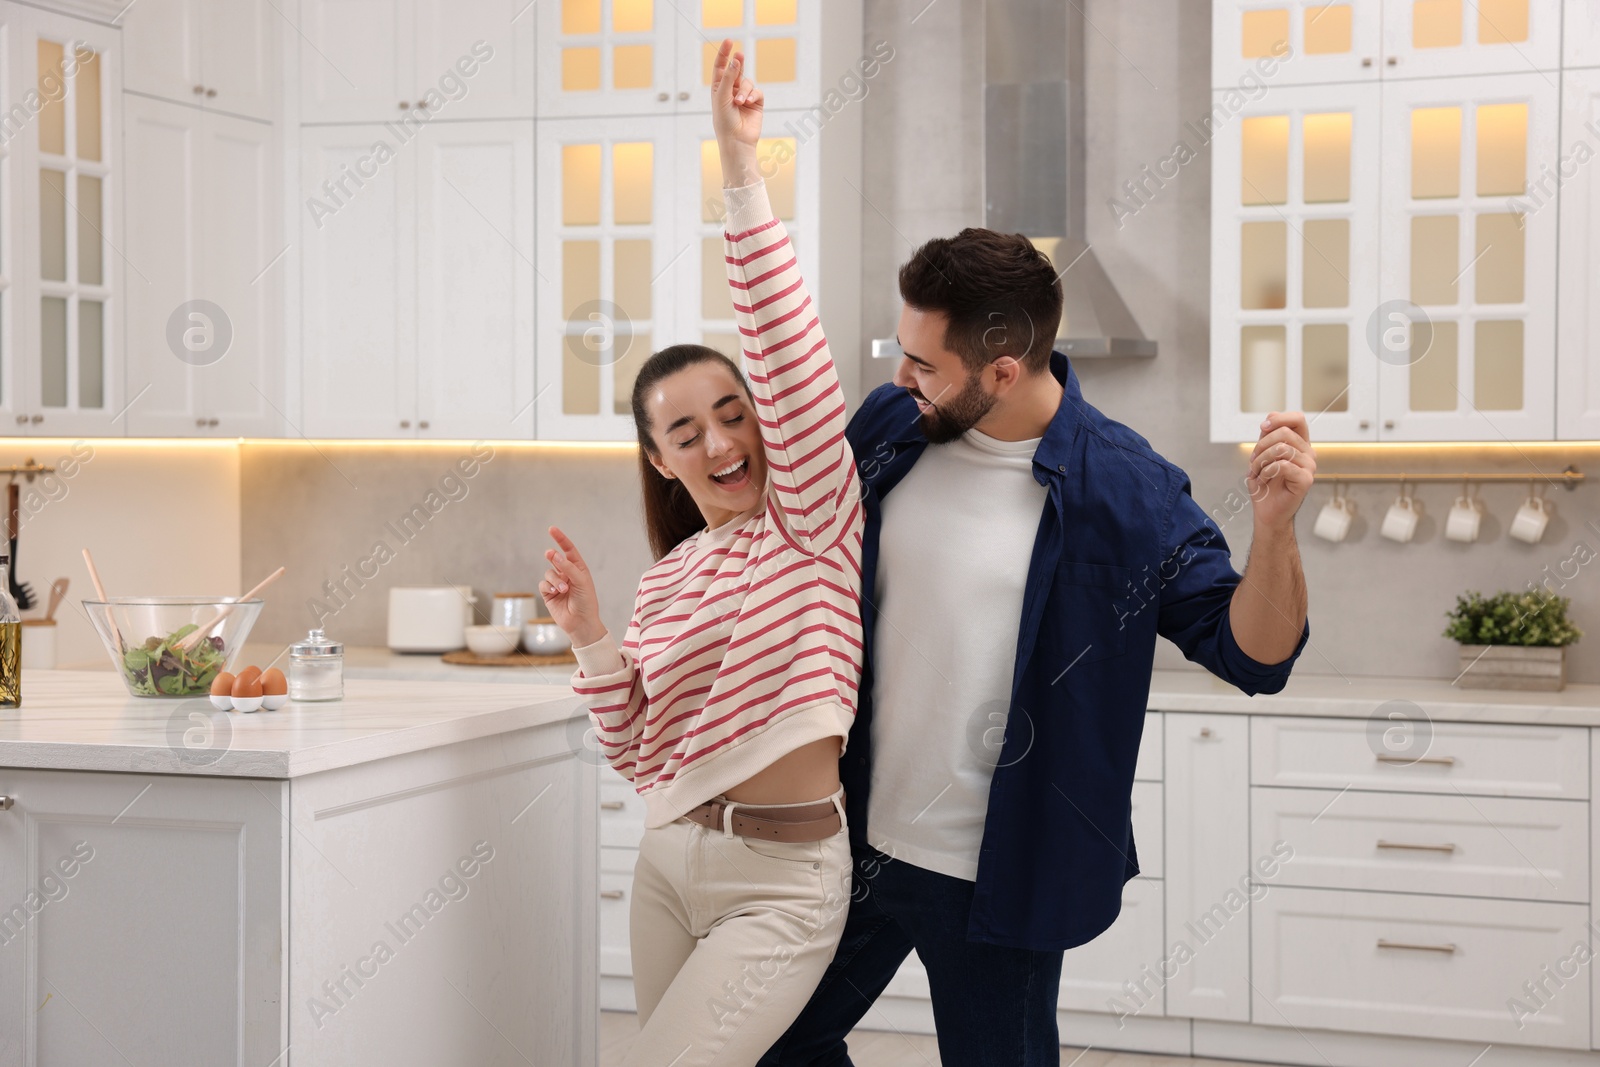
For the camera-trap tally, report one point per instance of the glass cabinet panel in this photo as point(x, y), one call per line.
point(1435, 152)
point(1502, 21)
point(1497, 365)
point(86, 92)
point(1502, 149)
point(1435, 258)
point(1329, 29)
point(1264, 264)
point(1499, 259)
point(1436, 24)
point(52, 96)
point(1327, 157)
point(1265, 171)
point(1264, 369)
point(1434, 367)
point(1325, 268)
point(52, 225)
point(1265, 32)
point(1325, 367)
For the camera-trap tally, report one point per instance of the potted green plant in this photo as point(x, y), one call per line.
point(1512, 640)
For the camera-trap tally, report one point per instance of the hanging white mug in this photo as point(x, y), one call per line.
point(1531, 519)
point(1464, 520)
point(1333, 521)
point(1400, 522)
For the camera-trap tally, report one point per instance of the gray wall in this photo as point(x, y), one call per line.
point(1377, 607)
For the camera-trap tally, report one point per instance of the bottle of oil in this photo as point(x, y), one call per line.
point(10, 640)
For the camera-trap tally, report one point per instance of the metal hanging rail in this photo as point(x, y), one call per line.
point(1568, 479)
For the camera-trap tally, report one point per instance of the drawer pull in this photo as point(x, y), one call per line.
point(611, 805)
point(1447, 761)
point(1416, 848)
point(616, 894)
point(1447, 948)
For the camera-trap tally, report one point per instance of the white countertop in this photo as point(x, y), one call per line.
point(1358, 697)
point(85, 720)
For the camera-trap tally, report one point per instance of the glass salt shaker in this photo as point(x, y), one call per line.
point(316, 668)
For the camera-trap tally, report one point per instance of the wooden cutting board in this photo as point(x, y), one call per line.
point(469, 658)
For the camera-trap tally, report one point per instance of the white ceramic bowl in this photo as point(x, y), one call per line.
point(542, 637)
point(492, 640)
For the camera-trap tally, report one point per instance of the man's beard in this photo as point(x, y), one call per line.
point(951, 418)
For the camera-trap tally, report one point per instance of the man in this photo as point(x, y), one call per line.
point(1022, 554)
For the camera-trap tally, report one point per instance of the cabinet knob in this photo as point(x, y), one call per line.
point(1366, 61)
point(37, 419)
point(1388, 424)
point(405, 424)
point(1205, 731)
point(199, 422)
point(663, 97)
point(611, 805)
point(210, 93)
point(683, 94)
point(610, 894)
point(1393, 61)
point(1366, 424)
point(22, 420)
point(423, 425)
point(199, 89)
point(5, 803)
point(211, 422)
point(405, 105)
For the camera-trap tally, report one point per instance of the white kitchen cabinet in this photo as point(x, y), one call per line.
point(1408, 964)
point(418, 281)
point(1578, 302)
point(1294, 42)
point(1434, 38)
point(102, 877)
point(1462, 243)
point(475, 280)
point(1208, 864)
point(358, 285)
point(222, 55)
point(1120, 971)
point(415, 61)
point(206, 229)
point(63, 198)
point(1580, 34)
point(653, 57)
point(1295, 197)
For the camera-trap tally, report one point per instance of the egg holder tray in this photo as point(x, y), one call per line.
point(246, 705)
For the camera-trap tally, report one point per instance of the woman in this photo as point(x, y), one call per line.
point(732, 694)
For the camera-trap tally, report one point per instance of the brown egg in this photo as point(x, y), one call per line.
point(247, 685)
point(273, 683)
point(222, 685)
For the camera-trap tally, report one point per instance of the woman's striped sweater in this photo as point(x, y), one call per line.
point(745, 641)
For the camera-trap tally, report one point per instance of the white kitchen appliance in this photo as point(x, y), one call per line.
point(429, 618)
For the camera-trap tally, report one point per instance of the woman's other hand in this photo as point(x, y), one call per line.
point(736, 111)
point(568, 591)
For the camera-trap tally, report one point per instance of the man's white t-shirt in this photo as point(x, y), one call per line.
point(956, 538)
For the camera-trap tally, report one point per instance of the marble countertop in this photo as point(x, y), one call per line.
point(85, 720)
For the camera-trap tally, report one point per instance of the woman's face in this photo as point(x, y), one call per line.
point(706, 435)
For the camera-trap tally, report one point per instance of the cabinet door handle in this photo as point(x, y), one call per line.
point(611, 805)
point(199, 422)
point(37, 419)
point(1205, 731)
point(405, 424)
point(405, 105)
point(199, 90)
point(22, 420)
point(210, 93)
point(1366, 61)
point(683, 94)
point(610, 894)
point(211, 422)
point(423, 425)
point(1394, 61)
point(663, 97)
point(5, 803)
point(1448, 948)
point(1416, 848)
point(1447, 761)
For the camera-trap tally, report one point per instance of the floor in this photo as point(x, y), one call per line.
point(873, 1048)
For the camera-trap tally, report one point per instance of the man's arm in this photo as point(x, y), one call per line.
point(1268, 609)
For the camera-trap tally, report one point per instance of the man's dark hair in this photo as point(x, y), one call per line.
point(1001, 295)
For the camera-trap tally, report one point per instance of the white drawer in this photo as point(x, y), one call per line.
point(1148, 813)
point(1420, 966)
point(1150, 764)
point(1484, 759)
point(1092, 975)
point(621, 814)
point(616, 892)
point(1456, 845)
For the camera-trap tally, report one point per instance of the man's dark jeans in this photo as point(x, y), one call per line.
point(992, 1006)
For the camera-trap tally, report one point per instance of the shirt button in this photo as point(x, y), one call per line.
point(1062, 469)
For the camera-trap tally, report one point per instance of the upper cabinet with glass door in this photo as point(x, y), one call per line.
point(1430, 38)
point(1295, 215)
point(650, 57)
point(64, 274)
point(1294, 42)
point(1469, 260)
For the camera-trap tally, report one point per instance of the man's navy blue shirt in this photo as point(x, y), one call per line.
point(1123, 554)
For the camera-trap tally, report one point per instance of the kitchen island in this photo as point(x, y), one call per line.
point(404, 876)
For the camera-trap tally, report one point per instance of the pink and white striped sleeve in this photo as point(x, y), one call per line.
point(799, 401)
point(612, 687)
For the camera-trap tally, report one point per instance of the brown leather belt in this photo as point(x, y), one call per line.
point(802, 822)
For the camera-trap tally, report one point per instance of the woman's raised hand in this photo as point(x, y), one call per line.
point(568, 591)
point(736, 109)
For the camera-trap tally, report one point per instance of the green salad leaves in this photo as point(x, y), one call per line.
point(158, 668)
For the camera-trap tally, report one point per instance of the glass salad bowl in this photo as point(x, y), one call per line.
point(151, 644)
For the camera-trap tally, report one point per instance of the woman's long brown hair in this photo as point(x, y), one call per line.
point(670, 513)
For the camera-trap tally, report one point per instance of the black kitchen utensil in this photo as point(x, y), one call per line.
point(22, 592)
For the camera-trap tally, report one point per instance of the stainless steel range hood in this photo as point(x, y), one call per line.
point(1033, 147)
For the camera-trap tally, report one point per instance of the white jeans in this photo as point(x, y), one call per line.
point(730, 938)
